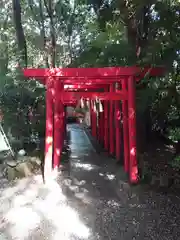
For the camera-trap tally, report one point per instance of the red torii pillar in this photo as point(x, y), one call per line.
point(101, 125)
point(58, 124)
point(106, 122)
point(106, 125)
point(54, 125)
point(125, 126)
point(133, 164)
point(48, 161)
point(111, 123)
point(94, 119)
point(118, 116)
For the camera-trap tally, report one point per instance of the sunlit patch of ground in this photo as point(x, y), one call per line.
point(31, 210)
point(90, 199)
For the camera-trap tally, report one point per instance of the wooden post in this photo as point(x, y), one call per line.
point(92, 118)
point(102, 127)
point(111, 123)
point(65, 123)
point(94, 121)
point(90, 114)
point(99, 126)
point(118, 129)
point(133, 165)
point(49, 128)
point(125, 128)
point(106, 126)
point(58, 125)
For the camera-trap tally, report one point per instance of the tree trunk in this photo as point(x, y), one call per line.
point(50, 10)
point(43, 34)
point(41, 26)
point(21, 41)
point(136, 20)
point(4, 58)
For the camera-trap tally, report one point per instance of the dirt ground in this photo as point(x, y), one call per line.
point(89, 199)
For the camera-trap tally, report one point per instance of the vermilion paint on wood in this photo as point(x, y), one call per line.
point(67, 86)
point(106, 72)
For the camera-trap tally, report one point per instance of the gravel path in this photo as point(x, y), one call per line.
point(90, 199)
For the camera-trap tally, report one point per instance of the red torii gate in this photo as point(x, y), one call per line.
point(65, 86)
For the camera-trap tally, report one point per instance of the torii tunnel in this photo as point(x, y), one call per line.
point(115, 87)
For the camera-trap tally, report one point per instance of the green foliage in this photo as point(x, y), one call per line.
point(174, 134)
point(176, 162)
point(16, 96)
point(103, 34)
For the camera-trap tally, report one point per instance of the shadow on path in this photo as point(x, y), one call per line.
point(90, 199)
point(97, 187)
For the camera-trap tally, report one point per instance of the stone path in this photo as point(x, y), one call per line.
point(89, 200)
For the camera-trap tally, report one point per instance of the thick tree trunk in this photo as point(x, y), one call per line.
point(21, 41)
point(40, 20)
point(4, 58)
point(43, 34)
point(136, 19)
point(49, 8)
